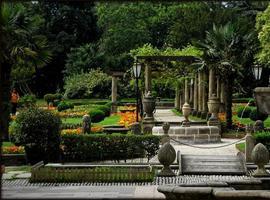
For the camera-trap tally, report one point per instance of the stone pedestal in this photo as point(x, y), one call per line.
point(136, 128)
point(250, 143)
point(148, 126)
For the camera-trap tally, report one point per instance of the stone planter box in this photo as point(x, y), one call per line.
point(13, 159)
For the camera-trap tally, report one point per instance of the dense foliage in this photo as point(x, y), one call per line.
point(97, 115)
point(256, 115)
point(39, 132)
point(108, 147)
point(264, 138)
point(87, 85)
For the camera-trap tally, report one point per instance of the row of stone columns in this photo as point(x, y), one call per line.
point(198, 90)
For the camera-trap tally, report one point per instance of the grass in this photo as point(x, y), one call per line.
point(72, 120)
point(111, 120)
point(7, 144)
point(241, 146)
point(18, 168)
point(249, 121)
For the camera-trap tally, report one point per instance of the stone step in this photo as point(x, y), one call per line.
point(212, 164)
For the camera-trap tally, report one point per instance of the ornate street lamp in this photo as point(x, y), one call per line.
point(137, 71)
point(257, 71)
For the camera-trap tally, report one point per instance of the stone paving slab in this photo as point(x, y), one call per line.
point(83, 192)
point(166, 115)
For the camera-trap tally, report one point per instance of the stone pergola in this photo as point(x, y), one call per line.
point(197, 92)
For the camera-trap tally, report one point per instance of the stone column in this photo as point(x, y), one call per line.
point(218, 87)
point(204, 96)
point(195, 95)
point(250, 143)
point(212, 83)
point(177, 98)
point(186, 91)
point(191, 92)
point(114, 94)
point(148, 78)
point(222, 97)
point(199, 94)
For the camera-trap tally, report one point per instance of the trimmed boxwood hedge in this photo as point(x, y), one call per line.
point(264, 138)
point(96, 115)
point(243, 112)
point(256, 115)
point(96, 147)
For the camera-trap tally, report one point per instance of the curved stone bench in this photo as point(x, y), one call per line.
point(192, 134)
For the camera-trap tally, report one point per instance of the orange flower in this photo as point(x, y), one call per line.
point(96, 129)
point(127, 118)
point(13, 150)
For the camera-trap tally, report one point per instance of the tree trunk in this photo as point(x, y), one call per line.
point(228, 103)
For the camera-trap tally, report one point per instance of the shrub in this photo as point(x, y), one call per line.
point(96, 115)
point(28, 100)
point(96, 147)
point(87, 85)
point(54, 98)
point(264, 138)
point(243, 112)
point(105, 109)
point(63, 105)
point(39, 132)
point(256, 115)
point(243, 100)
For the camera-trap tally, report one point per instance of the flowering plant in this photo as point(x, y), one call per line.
point(13, 150)
point(127, 118)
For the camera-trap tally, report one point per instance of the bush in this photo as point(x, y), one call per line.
point(63, 105)
point(27, 100)
point(94, 84)
point(39, 132)
point(54, 98)
point(243, 100)
point(264, 138)
point(256, 115)
point(96, 115)
point(96, 147)
point(105, 109)
point(243, 112)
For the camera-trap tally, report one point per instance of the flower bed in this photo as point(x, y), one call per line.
point(78, 131)
point(13, 150)
point(127, 118)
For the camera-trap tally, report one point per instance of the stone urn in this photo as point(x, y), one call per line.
point(260, 157)
point(262, 96)
point(213, 107)
point(166, 156)
point(149, 105)
point(186, 110)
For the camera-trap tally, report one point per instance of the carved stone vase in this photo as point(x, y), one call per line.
point(213, 107)
point(186, 110)
point(149, 105)
point(262, 96)
point(260, 157)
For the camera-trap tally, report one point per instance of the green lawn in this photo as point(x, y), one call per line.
point(112, 120)
point(7, 144)
point(241, 146)
point(249, 121)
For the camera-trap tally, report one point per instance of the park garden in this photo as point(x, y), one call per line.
point(93, 79)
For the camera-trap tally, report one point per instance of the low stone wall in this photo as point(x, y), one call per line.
point(192, 134)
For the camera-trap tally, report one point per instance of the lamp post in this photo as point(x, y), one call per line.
point(137, 70)
point(257, 71)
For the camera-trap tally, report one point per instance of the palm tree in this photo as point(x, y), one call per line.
point(225, 51)
point(21, 47)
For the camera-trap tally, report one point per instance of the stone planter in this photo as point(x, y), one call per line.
point(186, 110)
point(262, 96)
point(213, 107)
point(149, 105)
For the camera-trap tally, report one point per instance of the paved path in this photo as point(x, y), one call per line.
point(166, 115)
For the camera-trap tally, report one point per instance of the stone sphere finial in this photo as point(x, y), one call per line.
point(166, 156)
point(260, 156)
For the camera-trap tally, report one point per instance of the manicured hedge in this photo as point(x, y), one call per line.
point(96, 147)
point(255, 115)
point(96, 115)
point(243, 112)
point(264, 138)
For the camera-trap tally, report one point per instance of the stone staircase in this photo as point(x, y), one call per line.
point(211, 164)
